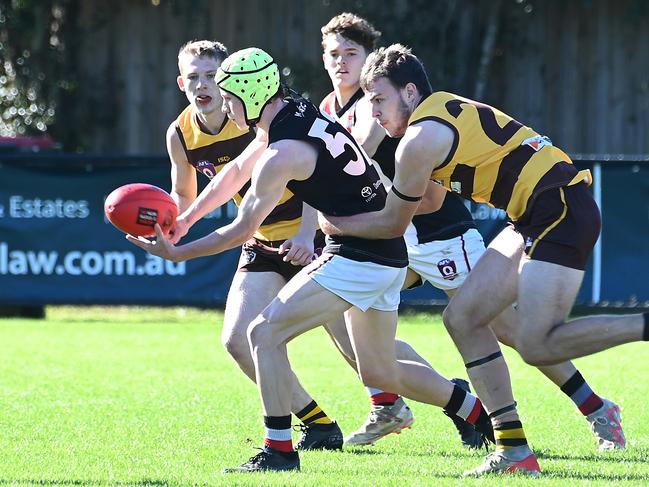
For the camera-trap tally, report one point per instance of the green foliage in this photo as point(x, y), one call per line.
point(146, 396)
point(32, 64)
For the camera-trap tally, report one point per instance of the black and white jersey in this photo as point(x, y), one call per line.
point(343, 183)
point(451, 220)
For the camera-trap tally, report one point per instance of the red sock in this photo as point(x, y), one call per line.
point(384, 398)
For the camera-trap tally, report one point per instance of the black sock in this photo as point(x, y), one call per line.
point(645, 332)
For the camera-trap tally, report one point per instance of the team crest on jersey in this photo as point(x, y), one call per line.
point(447, 269)
point(206, 168)
point(301, 108)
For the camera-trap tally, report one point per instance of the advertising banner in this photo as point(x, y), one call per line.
point(57, 247)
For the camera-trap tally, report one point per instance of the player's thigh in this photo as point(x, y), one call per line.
point(302, 304)
point(546, 294)
point(491, 285)
point(249, 294)
point(372, 334)
point(337, 330)
point(329, 286)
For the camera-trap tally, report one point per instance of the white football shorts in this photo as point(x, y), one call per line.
point(444, 263)
point(362, 284)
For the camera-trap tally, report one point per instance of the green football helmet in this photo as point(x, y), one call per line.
point(253, 77)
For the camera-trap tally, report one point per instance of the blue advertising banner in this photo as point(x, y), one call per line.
point(56, 246)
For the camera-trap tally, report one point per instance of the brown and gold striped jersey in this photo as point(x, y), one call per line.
point(494, 159)
point(210, 153)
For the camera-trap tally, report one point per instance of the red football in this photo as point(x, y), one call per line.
point(136, 208)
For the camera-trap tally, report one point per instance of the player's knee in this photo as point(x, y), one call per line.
point(237, 346)
point(453, 320)
point(258, 333)
point(533, 353)
point(378, 377)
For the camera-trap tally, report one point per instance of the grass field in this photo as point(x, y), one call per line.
point(126, 396)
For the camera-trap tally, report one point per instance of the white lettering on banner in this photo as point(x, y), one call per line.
point(80, 263)
point(20, 207)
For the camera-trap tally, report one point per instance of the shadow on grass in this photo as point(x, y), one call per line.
point(137, 483)
point(639, 456)
point(594, 476)
point(478, 455)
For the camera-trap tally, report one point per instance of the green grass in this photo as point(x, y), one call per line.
point(126, 396)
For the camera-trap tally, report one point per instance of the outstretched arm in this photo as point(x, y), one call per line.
point(268, 183)
point(222, 187)
point(423, 147)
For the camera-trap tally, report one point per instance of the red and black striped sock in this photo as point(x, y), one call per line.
point(578, 390)
point(278, 433)
point(466, 406)
point(382, 398)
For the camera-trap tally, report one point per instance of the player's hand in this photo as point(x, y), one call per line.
point(161, 246)
point(299, 250)
point(328, 224)
point(178, 230)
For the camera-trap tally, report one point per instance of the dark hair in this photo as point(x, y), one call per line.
point(204, 48)
point(398, 64)
point(352, 27)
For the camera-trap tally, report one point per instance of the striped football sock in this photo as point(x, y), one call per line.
point(278, 433)
point(312, 414)
point(578, 390)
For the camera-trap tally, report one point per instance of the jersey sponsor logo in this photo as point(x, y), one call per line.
point(301, 108)
point(447, 269)
point(537, 142)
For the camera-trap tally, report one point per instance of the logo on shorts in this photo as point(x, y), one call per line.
point(249, 256)
point(456, 187)
point(447, 269)
point(366, 191)
point(529, 241)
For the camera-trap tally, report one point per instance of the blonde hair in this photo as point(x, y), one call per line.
point(203, 48)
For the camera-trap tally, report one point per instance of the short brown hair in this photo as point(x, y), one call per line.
point(398, 64)
point(352, 27)
point(204, 48)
